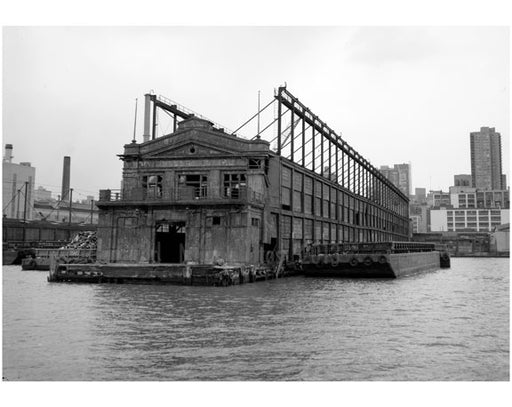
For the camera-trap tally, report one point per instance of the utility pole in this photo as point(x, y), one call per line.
point(18, 204)
point(92, 206)
point(58, 208)
point(25, 206)
point(25, 213)
point(70, 204)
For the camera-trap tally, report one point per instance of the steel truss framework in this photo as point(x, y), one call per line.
point(308, 142)
point(174, 110)
point(366, 205)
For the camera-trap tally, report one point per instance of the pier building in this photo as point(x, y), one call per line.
point(203, 194)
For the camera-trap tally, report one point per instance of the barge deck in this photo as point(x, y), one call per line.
point(373, 260)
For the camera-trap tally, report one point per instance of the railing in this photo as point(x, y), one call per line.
point(31, 244)
point(377, 247)
point(133, 194)
point(189, 111)
point(243, 194)
point(181, 194)
point(66, 254)
point(191, 193)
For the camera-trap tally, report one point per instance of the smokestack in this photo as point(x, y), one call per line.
point(8, 153)
point(147, 117)
point(65, 178)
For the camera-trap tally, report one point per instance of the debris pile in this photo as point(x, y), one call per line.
point(83, 240)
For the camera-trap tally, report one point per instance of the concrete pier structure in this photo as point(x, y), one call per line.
point(206, 196)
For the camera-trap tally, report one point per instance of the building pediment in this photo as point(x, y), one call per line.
point(190, 142)
point(189, 148)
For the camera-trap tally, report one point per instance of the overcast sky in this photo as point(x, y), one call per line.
point(396, 94)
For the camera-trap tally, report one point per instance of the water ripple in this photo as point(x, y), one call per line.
point(447, 325)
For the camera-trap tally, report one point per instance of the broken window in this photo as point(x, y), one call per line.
point(193, 185)
point(234, 185)
point(254, 163)
point(152, 186)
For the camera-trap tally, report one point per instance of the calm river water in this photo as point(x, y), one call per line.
point(451, 324)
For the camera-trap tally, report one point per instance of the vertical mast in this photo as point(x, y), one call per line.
point(135, 122)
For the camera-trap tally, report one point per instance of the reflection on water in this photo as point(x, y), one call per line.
point(445, 325)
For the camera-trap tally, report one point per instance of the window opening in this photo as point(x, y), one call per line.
point(152, 186)
point(195, 184)
point(234, 185)
point(254, 163)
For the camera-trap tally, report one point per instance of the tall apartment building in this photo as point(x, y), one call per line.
point(486, 172)
point(17, 187)
point(399, 175)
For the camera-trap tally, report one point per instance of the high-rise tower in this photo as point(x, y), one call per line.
point(486, 159)
point(399, 175)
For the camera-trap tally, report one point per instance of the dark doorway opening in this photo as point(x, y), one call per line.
point(170, 242)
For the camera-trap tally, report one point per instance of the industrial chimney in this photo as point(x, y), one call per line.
point(147, 118)
point(65, 178)
point(8, 153)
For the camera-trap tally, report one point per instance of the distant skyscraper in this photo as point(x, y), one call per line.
point(486, 159)
point(399, 175)
point(420, 195)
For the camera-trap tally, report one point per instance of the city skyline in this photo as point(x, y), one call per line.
point(345, 75)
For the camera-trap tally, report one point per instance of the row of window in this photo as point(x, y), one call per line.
point(295, 183)
point(330, 233)
point(480, 213)
point(195, 185)
point(235, 221)
point(350, 209)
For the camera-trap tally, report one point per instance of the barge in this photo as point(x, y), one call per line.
point(21, 239)
point(373, 260)
point(40, 258)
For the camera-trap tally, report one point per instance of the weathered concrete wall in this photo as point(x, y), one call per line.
point(254, 236)
point(207, 242)
point(124, 235)
point(196, 148)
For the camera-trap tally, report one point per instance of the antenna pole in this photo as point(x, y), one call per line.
point(258, 114)
point(135, 122)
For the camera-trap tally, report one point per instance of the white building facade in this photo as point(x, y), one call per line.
point(467, 219)
point(17, 187)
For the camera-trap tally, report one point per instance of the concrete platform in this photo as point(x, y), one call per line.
point(180, 274)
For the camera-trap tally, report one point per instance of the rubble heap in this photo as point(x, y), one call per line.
point(83, 240)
